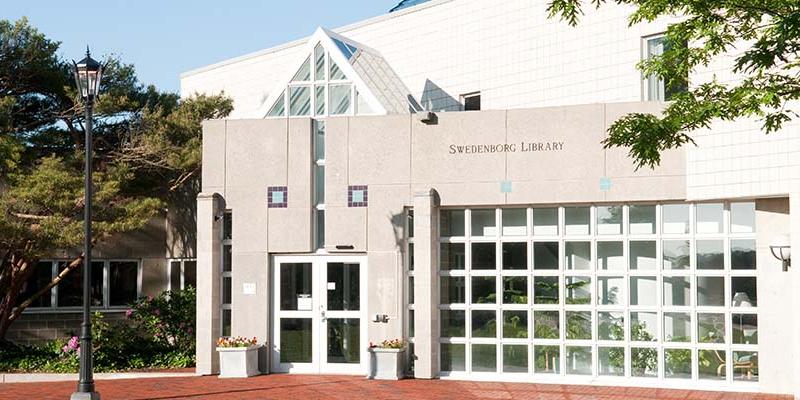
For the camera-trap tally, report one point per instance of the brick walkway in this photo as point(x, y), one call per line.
point(311, 387)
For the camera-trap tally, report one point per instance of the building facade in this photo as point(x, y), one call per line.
point(348, 200)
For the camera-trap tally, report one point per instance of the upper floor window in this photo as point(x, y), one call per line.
point(471, 101)
point(656, 87)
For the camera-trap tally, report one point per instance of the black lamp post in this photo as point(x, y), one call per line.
point(88, 73)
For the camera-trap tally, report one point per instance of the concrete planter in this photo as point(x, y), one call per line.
point(238, 362)
point(388, 364)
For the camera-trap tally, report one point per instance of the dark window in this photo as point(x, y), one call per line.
point(70, 289)
point(175, 276)
point(189, 274)
point(122, 281)
point(40, 277)
point(472, 102)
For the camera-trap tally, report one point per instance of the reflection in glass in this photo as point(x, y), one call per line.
point(484, 223)
point(745, 328)
point(452, 323)
point(545, 324)
point(452, 290)
point(610, 326)
point(122, 282)
point(344, 340)
point(484, 256)
point(319, 63)
point(453, 357)
point(677, 327)
point(676, 254)
point(611, 361)
point(710, 254)
point(576, 220)
point(644, 362)
point(515, 255)
point(579, 360)
point(710, 291)
point(296, 336)
point(343, 287)
point(677, 291)
point(341, 102)
point(677, 363)
point(675, 218)
point(304, 73)
point(299, 100)
point(709, 218)
point(515, 290)
point(295, 289)
point(451, 256)
point(578, 290)
point(744, 291)
point(643, 291)
point(515, 324)
point(579, 325)
point(451, 223)
point(743, 217)
point(484, 323)
point(484, 290)
point(745, 366)
point(484, 358)
point(743, 254)
point(545, 255)
point(545, 290)
point(711, 364)
point(515, 222)
point(644, 326)
point(610, 256)
point(226, 323)
point(610, 290)
point(609, 220)
point(545, 221)
point(578, 255)
point(643, 255)
point(515, 358)
point(710, 328)
point(642, 220)
point(546, 359)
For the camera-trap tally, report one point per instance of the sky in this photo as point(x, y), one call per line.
point(164, 38)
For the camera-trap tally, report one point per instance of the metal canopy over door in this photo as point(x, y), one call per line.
point(319, 314)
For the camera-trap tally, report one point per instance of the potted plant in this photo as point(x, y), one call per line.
point(238, 357)
point(387, 360)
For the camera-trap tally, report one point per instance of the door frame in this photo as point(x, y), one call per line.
point(319, 363)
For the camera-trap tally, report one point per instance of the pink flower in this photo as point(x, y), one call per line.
point(128, 313)
point(157, 312)
point(72, 345)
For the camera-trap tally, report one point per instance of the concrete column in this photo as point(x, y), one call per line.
point(209, 208)
point(426, 296)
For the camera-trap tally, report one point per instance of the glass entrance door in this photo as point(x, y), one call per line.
point(319, 323)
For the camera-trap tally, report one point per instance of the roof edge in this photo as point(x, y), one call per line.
point(303, 40)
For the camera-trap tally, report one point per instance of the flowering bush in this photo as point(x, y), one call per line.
point(389, 344)
point(72, 345)
point(169, 318)
point(236, 341)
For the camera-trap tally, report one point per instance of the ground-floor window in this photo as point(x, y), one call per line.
point(114, 283)
point(661, 291)
point(182, 273)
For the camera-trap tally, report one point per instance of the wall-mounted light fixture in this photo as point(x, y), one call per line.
point(781, 248)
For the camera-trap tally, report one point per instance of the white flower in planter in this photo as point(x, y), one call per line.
point(238, 357)
point(387, 360)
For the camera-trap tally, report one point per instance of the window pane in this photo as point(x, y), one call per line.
point(484, 323)
point(678, 363)
point(710, 291)
point(710, 328)
point(744, 292)
point(190, 274)
point(578, 255)
point(41, 277)
point(515, 222)
point(484, 290)
point(451, 256)
point(710, 254)
point(610, 290)
point(578, 290)
point(515, 290)
point(610, 256)
point(227, 287)
point(644, 362)
point(545, 221)
point(644, 326)
point(610, 326)
point(451, 223)
point(609, 220)
point(344, 337)
point(709, 218)
point(299, 100)
point(295, 287)
point(545, 255)
point(484, 223)
point(545, 325)
point(319, 99)
point(227, 258)
point(711, 364)
point(411, 256)
point(743, 254)
point(319, 140)
point(677, 327)
point(579, 325)
point(453, 357)
point(484, 256)
point(484, 358)
point(643, 291)
point(341, 102)
point(319, 184)
point(515, 358)
point(336, 72)
point(227, 225)
point(319, 63)
point(515, 255)
point(411, 290)
point(643, 255)
point(743, 217)
point(452, 323)
point(319, 229)
point(745, 366)
point(304, 73)
point(343, 287)
point(611, 361)
point(410, 223)
point(642, 220)
point(226, 325)
point(70, 289)
point(296, 339)
point(677, 291)
point(279, 108)
point(576, 220)
point(515, 324)
point(452, 290)
point(745, 328)
point(546, 359)
point(579, 360)
point(410, 325)
point(123, 277)
point(676, 254)
point(545, 290)
point(676, 218)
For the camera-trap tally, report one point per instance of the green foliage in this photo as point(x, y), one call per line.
point(159, 334)
point(762, 36)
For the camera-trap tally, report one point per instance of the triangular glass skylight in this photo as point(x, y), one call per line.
point(304, 73)
point(348, 50)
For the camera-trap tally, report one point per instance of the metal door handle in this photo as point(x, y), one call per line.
point(322, 314)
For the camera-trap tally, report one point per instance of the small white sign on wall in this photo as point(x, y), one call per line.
point(249, 288)
point(331, 285)
point(304, 302)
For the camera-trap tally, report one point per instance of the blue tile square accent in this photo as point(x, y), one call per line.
point(277, 197)
point(357, 196)
point(505, 187)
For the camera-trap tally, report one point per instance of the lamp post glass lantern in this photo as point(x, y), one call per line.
point(781, 248)
point(88, 74)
